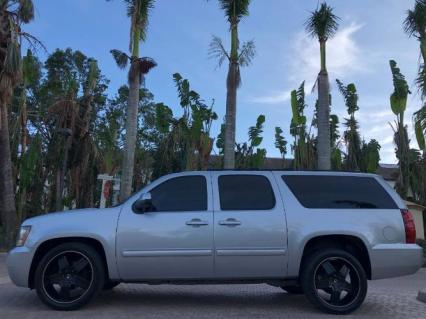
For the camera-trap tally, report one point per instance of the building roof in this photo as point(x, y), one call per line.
point(414, 205)
point(389, 172)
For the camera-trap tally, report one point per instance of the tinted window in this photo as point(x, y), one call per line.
point(186, 193)
point(245, 192)
point(339, 192)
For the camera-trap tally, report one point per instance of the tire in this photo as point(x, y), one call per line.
point(334, 281)
point(109, 285)
point(69, 276)
point(293, 290)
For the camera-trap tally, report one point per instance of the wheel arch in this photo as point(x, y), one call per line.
point(350, 243)
point(46, 245)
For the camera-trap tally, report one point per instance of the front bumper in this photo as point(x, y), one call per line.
point(19, 264)
point(394, 260)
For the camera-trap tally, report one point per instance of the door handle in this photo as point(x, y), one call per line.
point(196, 222)
point(230, 222)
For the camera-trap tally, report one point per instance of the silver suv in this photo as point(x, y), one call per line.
point(319, 233)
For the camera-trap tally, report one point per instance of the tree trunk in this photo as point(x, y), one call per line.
point(423, 49)
point(230, 118)
point(323, 144)
point(7, 194)
point(131, 131)
point(62, 172)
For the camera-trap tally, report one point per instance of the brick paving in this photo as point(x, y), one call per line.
point(390, 298)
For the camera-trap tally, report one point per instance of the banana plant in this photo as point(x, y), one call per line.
point(351, 135)
point(248, 154)
point(398, 103)
point(303, 145)
point(281, 144)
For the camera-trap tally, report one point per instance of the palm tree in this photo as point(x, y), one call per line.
point(323, 25)
point(138, 12)
point(12, 15)
point(415, 25)
point(234, 10)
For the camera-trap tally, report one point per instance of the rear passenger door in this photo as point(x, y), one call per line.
point(250, 230)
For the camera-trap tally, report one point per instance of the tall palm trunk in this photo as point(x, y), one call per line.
point(323, 144)
point(131, 132)
point(7, 199)
point(402, 154)
point(230, 119)
point(231, 100)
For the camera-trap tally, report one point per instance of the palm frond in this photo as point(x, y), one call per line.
point(415, 22)
point(218, 51)
point(120, 58)
point(138, 11)
point(33, 42)
point(235, 9)
point(26, 10)
point(146, 64)
point(140, 67)
point(419, 119)
point(421, 80)
point(247, 53)
point(322, 23)
point(12, 62)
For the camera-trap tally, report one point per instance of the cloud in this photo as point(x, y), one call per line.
point(344, 57)
point(275, 98)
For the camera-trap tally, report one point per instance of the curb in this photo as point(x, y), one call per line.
point(422, 296)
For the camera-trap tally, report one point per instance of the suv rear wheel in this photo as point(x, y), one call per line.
point(69, 276)
point(334, 281)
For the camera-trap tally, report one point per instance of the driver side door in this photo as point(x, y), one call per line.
point(175, 239)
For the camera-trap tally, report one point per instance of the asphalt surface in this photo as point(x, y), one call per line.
point(390, 298)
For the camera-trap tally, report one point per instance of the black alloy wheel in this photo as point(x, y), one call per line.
point(69, 276)
point(334, 281)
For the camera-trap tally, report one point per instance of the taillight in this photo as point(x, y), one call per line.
point(410, 227)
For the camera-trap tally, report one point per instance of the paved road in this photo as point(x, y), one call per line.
point(391, 298)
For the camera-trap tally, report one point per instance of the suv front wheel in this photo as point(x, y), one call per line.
point(334, 281)
point(69, 276)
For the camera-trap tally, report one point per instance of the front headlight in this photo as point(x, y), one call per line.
point(23, 235)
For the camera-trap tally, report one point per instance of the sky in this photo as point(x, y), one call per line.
point(180, 31)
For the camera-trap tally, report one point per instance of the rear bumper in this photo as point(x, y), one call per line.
point(18, 265)
point(394, 260)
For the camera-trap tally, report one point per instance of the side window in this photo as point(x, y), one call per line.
point(345, 192)
point(185, 193)
point(245, 192)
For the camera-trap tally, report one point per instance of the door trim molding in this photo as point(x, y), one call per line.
point(250, 252)
point(167, 253)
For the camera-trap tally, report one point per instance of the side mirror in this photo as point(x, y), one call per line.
point(143, 204)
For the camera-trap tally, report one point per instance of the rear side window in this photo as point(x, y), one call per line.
point(245, 192)
point(186, 193)
point(350, 192)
